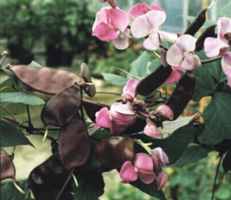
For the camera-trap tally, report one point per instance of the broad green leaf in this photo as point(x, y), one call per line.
point(207, 77)
point(217, 119)
point(193, 153)
point(20, 97)
point(144, 64)
point(90, 186)
point(114, 79)
point(10, 135)
point(178, 141)
point(149, 189)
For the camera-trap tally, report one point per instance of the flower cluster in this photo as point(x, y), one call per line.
point(147, 168)
point(115, 25)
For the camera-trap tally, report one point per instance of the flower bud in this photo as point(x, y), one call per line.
point(160, 158)
point(165, 111)
point(162, 179)
point(151, 130)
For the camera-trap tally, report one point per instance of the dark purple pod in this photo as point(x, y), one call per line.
point(154, 80)
point(182, 94)
point(197, 23)
point(47, 179)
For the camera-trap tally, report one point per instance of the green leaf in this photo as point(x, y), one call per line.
point(192, 154)
point(217, 119)
point(149, 189)
point(207, 78)
point(10, 135)
point(20, 97)
point(114, 79)
point(144, 65)
point(90, 186)
point(178, 141)
point(224, 192)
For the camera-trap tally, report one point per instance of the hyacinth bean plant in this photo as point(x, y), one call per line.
point(92, 138)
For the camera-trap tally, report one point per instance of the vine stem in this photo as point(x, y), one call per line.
point(216, 177)
point(210, 60)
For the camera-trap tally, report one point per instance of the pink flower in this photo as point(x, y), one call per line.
point(109, 23)
point(117, 119)
point(146, 21)
point(165, 111)
point(151, 130)
point(159, 157)
point(220, 46)
point(129, 90)
point(162, 179)
point(142, 168)
point(181, 54)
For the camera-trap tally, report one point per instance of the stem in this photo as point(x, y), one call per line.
point(215, 179)
point(206, 61)
point(30, 125)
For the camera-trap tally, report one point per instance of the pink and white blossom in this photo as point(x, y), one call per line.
point(181, 54)
point(129, 90)
point(165, 111)
point(151, 130)
point(220, 46)
point(146, 21)
point(109, 23)
point(159, 157)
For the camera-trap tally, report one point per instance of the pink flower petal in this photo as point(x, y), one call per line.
point(174, 77)
point(141, 27)
point(128, 173)
point(156, 18)
point(147, 178)
point(160, 158)
point(103, 119)
point(152, 43)
point(162, 179)
point(122, 108)
point(190, 62)
point(175, 55)
point(105, 32)
point(139, 9)
point(166, 36)
point(186, 43)
point(213, 46)
point(165, 111)
point(156, 6)
point(129, 90)
point(151, 130)
point(223, 27)
point(143, 163)
point(101, 17)
point(226, 64)
point(118, 18)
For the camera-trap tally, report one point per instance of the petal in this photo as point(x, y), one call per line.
point(152, 43)
point(129, 90)
point(162, 179)
point(139, 9)
point(128, 173)
point(190, 62)
point(121, 42)
point(156, 17)
point(226, 64)
point(174, 77)
point(144, 163)
point(103, 118)
point(186, 43)
point(174, 55)
point(213, 46)
point(105, 33)
point(156, 6)
point(147, 178)
point(122, 108)
point(151, 130)
point(101, 16)
point(141, 27)
point(160, 157)
point(118, 18)
point(223, 27)
point(165, 111)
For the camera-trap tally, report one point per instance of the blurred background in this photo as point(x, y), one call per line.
point(58, 33)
